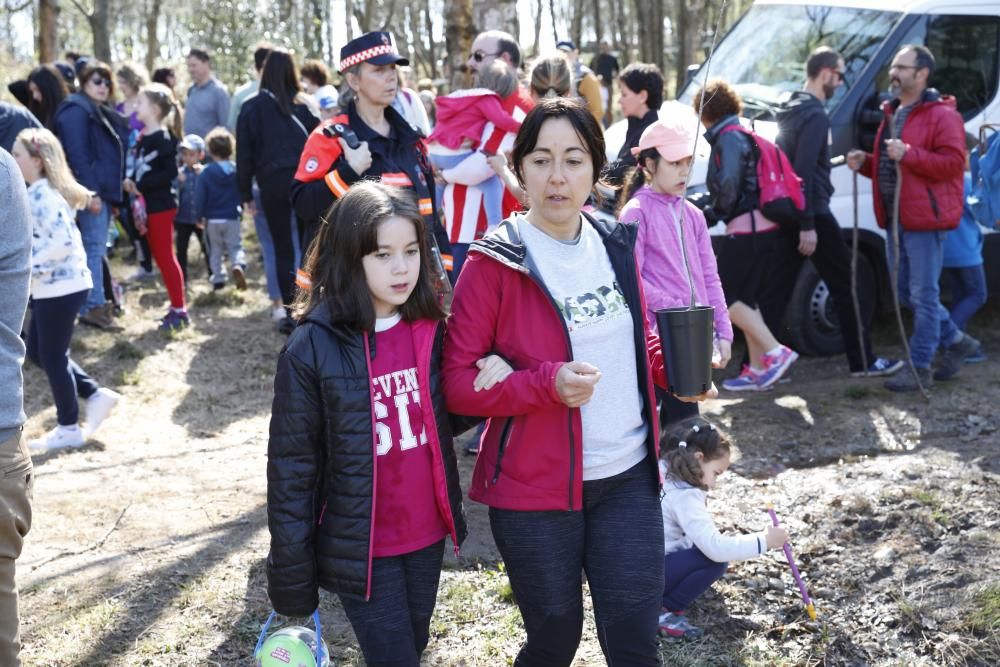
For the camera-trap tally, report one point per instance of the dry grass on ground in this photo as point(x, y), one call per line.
point(148, 543)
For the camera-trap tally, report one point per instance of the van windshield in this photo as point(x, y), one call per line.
point(764, 55)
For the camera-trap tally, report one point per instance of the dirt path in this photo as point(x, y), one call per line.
point(147, 546)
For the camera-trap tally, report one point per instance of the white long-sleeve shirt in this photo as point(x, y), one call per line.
point(58, 261)
point(687, 523)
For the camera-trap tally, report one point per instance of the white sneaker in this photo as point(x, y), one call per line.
point(277, 313)
point(140, 274)
point(61, 437)
point(99, 406)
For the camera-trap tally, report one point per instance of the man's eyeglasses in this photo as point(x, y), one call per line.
point(913, 67)
point(100, 81)
point(479, 55)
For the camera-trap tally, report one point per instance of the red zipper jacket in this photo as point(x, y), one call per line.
point(932, 169)
point(531, 455)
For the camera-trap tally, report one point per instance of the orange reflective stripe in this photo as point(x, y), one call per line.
point(336, 184)
point(426, 206)
point(448, 261)
point(302, 279)
point(399, 179)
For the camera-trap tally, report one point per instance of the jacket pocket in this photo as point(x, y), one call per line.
point(934, 204)
point(17, 469)
point(504, 438)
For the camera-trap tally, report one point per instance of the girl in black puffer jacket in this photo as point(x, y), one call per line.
point(362, 478)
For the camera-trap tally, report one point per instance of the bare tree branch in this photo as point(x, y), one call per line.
point(17, 8)
point(82, 10)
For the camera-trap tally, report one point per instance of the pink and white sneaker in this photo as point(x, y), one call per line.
point(775, 365)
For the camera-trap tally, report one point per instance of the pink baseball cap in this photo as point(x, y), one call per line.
point(673, 138)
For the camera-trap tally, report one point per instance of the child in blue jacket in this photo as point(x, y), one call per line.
point(963, 264)
point(217, 207)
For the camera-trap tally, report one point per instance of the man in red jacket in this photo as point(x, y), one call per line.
point(919, 151)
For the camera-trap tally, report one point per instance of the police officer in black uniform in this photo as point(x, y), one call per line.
point(369, 140)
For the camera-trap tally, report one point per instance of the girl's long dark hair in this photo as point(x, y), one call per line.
point(636, 178)
point(52, 86)
point(348, 233)
point(698, 435)
point(280, 77)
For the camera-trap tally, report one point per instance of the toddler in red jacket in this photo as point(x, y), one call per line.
point(464, 119)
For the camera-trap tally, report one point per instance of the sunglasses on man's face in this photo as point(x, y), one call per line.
point(479, 55)
point(100, 81)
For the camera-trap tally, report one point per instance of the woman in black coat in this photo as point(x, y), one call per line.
point(270, 133)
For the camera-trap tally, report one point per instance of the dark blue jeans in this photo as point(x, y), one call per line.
point(686, 575)
point(920, 260)
point(968, 293)
point(618, 541)
point(393, 627)
point(49, 334)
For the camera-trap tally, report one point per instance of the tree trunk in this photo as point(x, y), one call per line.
point(552, 14)
point(496, 15)
point(317, 17)
point(101, 31)
point(458, 36)
point(576, 26)
point(428, 33)
point(152, 39)
point(48, 31)
point(349, 14)
point(539, 10)
point(657, 34)
point(681, 22)
point(598, 27)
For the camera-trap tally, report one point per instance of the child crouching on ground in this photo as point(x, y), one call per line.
point(217, 207)
point(696, 554)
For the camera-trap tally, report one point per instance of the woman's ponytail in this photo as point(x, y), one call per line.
point(177, 120)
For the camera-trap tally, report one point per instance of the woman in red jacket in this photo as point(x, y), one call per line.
point(568, 461)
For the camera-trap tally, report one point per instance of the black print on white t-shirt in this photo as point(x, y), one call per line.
point(593, 307)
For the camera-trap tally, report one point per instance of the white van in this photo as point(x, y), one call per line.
point(763, 56)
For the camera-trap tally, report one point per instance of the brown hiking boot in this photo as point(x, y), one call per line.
point(98, 317)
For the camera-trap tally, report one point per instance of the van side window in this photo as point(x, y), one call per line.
point(967, 51)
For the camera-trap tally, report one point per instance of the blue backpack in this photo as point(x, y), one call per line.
point(984, 198)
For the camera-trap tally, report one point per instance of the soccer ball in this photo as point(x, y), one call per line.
point(292, 647)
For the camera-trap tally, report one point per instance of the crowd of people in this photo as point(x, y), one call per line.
point(384, 210)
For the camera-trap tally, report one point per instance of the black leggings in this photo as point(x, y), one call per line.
point(49, 335)
point(393, 626)
point(274, 193)
point(618, 541)
point(182, 237)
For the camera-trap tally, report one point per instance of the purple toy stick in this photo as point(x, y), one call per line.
point(810, 609)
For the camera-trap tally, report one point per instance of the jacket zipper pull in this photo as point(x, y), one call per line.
point(322, 512)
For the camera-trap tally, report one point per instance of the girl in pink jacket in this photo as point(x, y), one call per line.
point(655, 203)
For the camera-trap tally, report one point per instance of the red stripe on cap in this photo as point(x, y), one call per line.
point(367, 54)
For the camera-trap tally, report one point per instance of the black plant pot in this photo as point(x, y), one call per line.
point(686, 338)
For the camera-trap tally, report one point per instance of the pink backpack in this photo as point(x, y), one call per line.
point(781, 197)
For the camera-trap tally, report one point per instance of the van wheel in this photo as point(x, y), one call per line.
point(813, 326)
